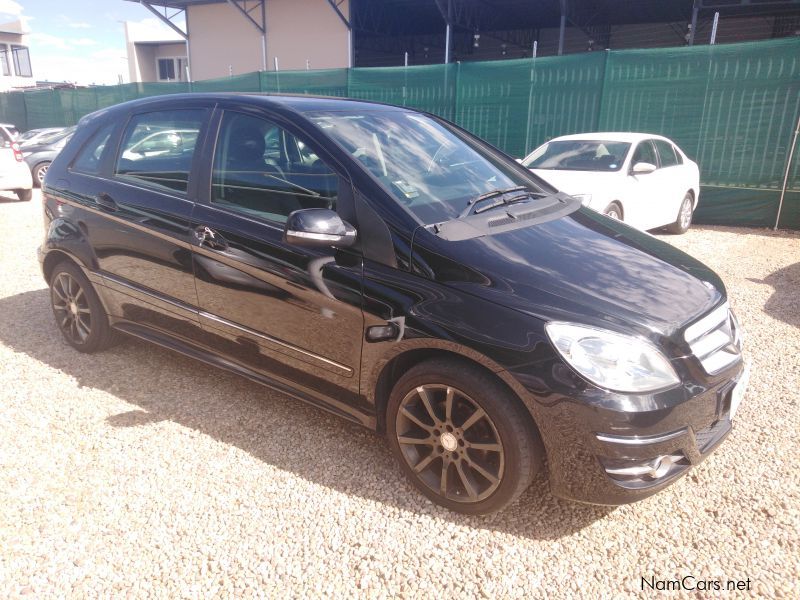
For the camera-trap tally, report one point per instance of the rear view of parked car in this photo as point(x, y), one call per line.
point(644, 180)
point(38, 156)
point(14, 173)
point(389, 267)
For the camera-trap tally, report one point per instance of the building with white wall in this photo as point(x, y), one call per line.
point(16, 70)
point(218, 38)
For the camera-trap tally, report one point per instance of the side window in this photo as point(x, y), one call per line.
point(678, 157)
point(644, 153)
point(157, 148)
point(263, 170)
point(667, 153)
point(88, 159)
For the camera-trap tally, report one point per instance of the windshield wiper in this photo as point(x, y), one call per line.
point(502, 201)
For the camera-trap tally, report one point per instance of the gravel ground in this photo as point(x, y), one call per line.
point(138, 472)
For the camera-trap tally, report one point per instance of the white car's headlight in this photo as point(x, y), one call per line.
point(611, 360)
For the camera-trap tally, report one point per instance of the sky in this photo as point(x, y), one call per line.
point(79, 41)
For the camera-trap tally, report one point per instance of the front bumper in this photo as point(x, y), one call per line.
point(629, 448)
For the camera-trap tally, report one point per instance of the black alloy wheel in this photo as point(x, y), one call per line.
point(450, 442)
point(462, 438)
point(78, 311)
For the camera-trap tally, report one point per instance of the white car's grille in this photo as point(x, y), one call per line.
point(716, 340)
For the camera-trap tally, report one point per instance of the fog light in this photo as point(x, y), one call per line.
point(652, 469)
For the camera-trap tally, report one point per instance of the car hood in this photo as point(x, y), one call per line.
point(583, 268)
point(578, 182)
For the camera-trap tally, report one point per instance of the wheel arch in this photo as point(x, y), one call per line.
point(391, 369)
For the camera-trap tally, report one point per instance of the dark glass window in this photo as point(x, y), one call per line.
point(22, 61)
point(157, 148)
point(667, 153)
point(263, 170)
point(644, 153)
point(88, 159)
point(166, 69)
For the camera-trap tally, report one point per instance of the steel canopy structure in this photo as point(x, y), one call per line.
point(447, 30)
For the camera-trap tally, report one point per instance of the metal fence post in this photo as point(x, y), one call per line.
point(786, 174)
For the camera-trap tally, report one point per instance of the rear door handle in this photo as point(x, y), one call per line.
point(105, 201)
point(209, 238)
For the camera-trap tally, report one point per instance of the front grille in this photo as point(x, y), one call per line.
point(715, 340)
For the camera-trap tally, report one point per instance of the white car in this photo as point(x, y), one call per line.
point(642, 179)
point(14, 172)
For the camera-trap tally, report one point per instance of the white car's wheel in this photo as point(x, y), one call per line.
point(684, 220)
point(613, 210)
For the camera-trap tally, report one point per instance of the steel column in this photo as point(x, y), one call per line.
point(562, 27)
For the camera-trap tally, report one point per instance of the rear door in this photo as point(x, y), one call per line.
point(290, 312)
point(673, 180)
point(142, 211)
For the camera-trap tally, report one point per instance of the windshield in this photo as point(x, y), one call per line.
point(427, 167)
point(579, 155)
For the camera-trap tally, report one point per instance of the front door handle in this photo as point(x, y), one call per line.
point(210, 238)
point(103, 200)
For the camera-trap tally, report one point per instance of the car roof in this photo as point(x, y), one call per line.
point(612, 136)
point(293, 103)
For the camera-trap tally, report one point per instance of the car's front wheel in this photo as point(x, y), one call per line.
point(78, 311)
point(461, 437)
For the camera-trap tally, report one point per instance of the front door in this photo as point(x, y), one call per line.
point(643, 190)
point(290, 312)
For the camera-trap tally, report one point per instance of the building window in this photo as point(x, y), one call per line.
point(171, 69)
point(22, 61)
point(4, 60)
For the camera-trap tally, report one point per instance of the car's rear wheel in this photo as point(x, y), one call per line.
point(24, 195)
point(78, 311)
point(684, 220)
point(39, 171)
point(461, 437)
point(613, 210)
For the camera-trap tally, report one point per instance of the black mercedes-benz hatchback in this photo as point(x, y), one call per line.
point(391, 268)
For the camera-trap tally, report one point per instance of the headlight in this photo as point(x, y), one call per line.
point(611, 360)
point(584, 198)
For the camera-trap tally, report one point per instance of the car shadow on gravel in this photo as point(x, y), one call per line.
point(784, 304)
point(273, 428)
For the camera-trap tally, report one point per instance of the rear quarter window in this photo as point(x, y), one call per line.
point(88, 158)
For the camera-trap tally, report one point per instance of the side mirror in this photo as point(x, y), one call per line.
point(643, 168)
point(318, 227)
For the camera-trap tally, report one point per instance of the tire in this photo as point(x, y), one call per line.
point(24, 195)
point(79, 314)
point(510, 452)
point(614, 210)
point(684, 219)
point(39, 171)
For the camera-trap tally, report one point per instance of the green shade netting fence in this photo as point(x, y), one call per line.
point(732, 108)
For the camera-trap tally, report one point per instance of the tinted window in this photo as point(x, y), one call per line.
point(4, 60)
point(579, 155)
point(263, 170)
point(88, 159)
point(644, 153)
point(157, 148)
point(666, 152)
point(166, 69)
